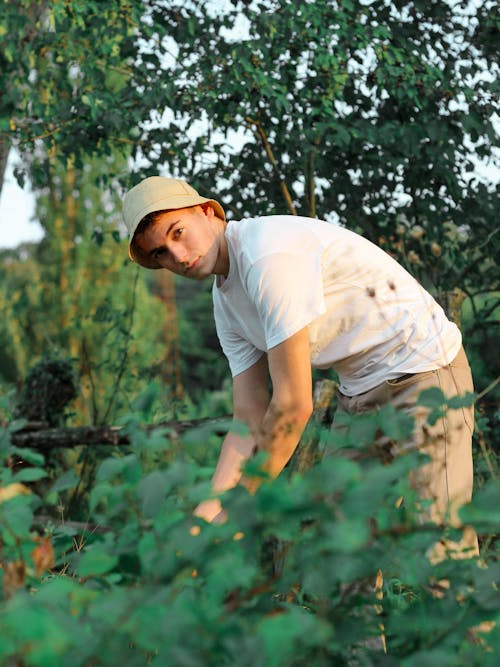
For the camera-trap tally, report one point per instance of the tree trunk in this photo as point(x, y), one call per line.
point(308, 451)
point(172, 366)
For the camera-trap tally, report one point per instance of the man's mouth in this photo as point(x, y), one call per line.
point(193, 265)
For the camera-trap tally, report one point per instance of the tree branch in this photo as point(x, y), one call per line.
point(260, 134)
point(310, 183)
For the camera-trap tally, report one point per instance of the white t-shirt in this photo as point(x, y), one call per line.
point(367, 317)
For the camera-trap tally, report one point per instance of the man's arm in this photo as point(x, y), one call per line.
point(275, 425)
point(291, 403)
point(250, 402)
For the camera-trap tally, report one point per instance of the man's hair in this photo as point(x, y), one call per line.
point(147, 220)
point(151, 218)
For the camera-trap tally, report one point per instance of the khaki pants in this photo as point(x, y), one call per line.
point(448, 477)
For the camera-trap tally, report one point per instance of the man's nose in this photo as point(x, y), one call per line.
point(178, 253)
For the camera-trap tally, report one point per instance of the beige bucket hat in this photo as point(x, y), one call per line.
point(158, 193)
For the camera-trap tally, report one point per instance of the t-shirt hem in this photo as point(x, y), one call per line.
point(241, 369)
point(359, 387)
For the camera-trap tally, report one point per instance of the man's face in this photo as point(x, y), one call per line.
point(186, 241)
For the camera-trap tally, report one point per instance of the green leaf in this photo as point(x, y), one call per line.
point(95, 562)
point(362, 430)
point(200, 434)
point(110, 468)
point(29, 475)
point(396, 424)
point(484, 509)
point(67, 480)
point(431, 398)
point(486, 586)
point(151, 491)
point(29, 455)
point(465, 401)
point(57, 590)
point(146, 401)
point(17, 515)
point(41, 637)
point(348, 535)
point(432, 658)
point(286, 633)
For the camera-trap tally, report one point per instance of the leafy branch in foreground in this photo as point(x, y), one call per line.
point(161, 587)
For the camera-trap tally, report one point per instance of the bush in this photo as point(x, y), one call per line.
point(287, 581)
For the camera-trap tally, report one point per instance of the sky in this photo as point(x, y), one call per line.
point(17, 209)
point(17, 206)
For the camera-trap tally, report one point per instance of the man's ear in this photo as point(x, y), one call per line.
point(208, 210)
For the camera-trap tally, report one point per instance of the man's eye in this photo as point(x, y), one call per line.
point(178, 232)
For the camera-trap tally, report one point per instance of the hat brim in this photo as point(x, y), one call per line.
point(184, 201)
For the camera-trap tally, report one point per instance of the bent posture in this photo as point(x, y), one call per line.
point(291, 293)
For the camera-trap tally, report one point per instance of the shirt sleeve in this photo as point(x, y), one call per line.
point(287, 289)
point(240, 353)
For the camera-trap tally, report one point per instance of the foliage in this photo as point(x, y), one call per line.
point(49, 387)
point(363, 110)
point(371, 113)
point(63, 73)
point(201, 372)
point(76, 293)
point(149, 584)
point(371, 110)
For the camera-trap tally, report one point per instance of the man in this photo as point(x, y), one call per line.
point(291, 293)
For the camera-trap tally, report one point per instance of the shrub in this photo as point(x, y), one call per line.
point(289, 580)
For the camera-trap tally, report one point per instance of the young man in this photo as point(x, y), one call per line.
point(291, 293)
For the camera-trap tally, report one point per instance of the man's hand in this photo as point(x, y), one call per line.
point(209, 510)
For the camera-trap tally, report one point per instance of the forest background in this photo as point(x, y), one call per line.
point(370, 114)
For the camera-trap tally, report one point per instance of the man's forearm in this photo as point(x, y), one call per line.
point(235, 451)
point(279, 436)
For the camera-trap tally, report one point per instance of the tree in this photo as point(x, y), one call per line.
point(76, 293)
point(374, 112)
point(63, 73)
point(365, 109)
point(370, 111)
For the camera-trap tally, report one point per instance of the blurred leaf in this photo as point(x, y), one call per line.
point(13, 490)
point(29, 455)
point(487, 586)
point(17, 515)
point(431, 398)
point(43, 556)
point(465, 401)
point(348, 535)
point(483, 511)
point(114, 466)
point(29, 475)
point(152, 491)
point(200, 434)
point(95, 562)
point(396, 424)
point(67, 480)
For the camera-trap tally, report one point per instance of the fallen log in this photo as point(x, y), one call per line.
point(43, 439)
